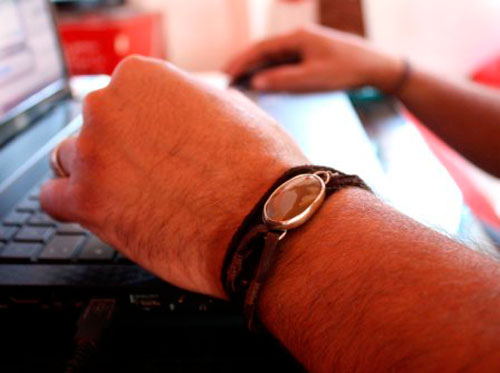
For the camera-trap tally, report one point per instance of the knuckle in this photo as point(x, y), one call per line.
point(135, 65)
point(169, 67)
point(138, 72)
point(126, 69)
point(131, 62)
point(93, 101)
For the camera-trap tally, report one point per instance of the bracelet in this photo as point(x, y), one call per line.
point(403, 79)
point(254, 247)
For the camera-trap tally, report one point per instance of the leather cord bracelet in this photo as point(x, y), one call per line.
point(402, 80)
point(254, 248)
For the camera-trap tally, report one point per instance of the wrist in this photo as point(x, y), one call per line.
point(307, 271)
point(234, 214)
point(291, 202)
point(386, 73)
point(296, 252)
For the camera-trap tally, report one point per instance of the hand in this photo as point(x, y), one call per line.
point(330, 60)
point(165, 169)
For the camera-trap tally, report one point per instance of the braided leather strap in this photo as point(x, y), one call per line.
point(253, 250)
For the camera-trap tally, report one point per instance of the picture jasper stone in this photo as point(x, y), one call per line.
point(293, 198)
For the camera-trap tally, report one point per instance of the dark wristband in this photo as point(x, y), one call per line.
point(253, 250)
point(402, 80)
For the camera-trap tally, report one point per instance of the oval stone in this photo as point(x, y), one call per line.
point(293, 198)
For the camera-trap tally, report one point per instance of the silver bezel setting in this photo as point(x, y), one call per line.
point(305, 215)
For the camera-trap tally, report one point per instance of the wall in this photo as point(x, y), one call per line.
point(198, 32)
point(449, 36)
point(204, 34)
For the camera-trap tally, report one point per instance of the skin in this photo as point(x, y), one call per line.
point(165, 169)
point(465, 115)
point(363, 288)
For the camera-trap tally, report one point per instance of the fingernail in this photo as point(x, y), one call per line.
point(259, 83)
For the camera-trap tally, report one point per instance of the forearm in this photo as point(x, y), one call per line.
point(463, 114)
point(361, 287)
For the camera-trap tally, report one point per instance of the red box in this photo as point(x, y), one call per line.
point(95, 42)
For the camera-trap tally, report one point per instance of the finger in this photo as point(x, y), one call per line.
point(286, 78)
point(260, 52)
point(55, 199)
point(66, 154)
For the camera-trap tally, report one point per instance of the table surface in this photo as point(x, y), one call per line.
point(419, 184)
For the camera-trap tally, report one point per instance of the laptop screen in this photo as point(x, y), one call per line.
point(31, 65)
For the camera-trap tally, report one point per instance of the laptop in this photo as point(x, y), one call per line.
point(37, 111)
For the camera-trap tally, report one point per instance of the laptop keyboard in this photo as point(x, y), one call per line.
point(29, 235)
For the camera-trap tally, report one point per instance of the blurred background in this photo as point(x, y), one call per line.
point(453, 37)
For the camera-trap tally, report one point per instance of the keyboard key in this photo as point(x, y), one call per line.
point(36, 234)
point(20, 250)
point(34, 193)
point(62, 247)
point(70, 228)
point(41, 218)
point(16, 218)
point(95, 249)
point(28, 205)
point(6, 233)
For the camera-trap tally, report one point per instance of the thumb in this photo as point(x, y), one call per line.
point(54, 199)
point(285, 78)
